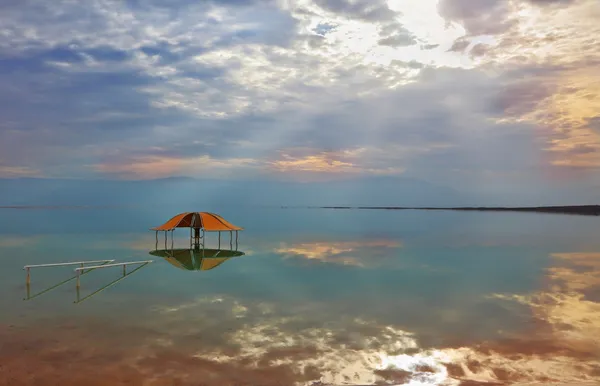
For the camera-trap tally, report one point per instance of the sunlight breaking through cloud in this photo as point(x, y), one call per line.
point(232, 88)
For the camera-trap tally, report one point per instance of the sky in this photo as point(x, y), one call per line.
point(501, 94)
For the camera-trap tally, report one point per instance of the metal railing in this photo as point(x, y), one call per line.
point(82, 270)
point(81, 263)
point(68, 263)
point(28, 285)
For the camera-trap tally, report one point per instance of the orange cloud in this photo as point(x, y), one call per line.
point(143, 167)
point(162, 166)
point(18, 171)
point(314, 163)
point(568, 113)
point(349, 161)
point(562, 95)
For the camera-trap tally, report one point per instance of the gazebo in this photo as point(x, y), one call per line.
point(199, 223)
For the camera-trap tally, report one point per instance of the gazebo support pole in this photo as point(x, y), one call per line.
point(196, 238)
point(219, 247)
point(165, 239)
point(230, 240)
point(236, 240)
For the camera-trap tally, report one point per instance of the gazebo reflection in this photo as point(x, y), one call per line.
point(200, 259)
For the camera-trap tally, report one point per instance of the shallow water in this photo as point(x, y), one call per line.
point(330, 296)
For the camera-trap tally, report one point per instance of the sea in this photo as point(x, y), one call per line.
point(302, 296)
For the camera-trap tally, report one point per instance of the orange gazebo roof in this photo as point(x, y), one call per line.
point(210, 222)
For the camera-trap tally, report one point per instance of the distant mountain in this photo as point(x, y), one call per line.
point(383, 191)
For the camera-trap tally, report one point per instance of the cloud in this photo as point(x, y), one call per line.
point(349, 161)
point(398, 40)
point(485, 17)
point(548, 60)
point(18, 171)
point(277, 87)
point(552, 2)
point(563, 105)
point(361, 9)
point(145, 167)
point(492, 17)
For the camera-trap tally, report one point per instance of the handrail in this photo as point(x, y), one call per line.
point(113, 265)
point(81, 263)
point(29, 297)
point(65, 264)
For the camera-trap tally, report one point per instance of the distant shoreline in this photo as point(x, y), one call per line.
point(584, 210)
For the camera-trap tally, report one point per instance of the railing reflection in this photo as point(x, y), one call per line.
point(125, 275)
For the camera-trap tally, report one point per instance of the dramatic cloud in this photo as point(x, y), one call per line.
point(441, 90)
point(485, 17)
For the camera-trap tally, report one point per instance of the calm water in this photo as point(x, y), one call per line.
point(317, 297)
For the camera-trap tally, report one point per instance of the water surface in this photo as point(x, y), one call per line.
point(313, 297)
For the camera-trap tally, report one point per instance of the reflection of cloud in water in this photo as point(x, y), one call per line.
point(568, 323)
point(562, 349)
point(227, 341)
point(573, 318)
point(336, 363)
point(580, 271)
point(354, 351)
point(357, 253)
point(349, 351)
point(18, 241)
